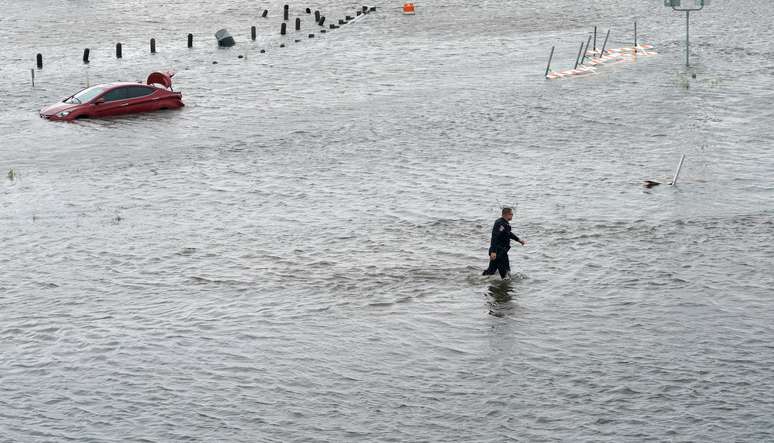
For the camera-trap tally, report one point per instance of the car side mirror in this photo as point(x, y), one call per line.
point(99, 101)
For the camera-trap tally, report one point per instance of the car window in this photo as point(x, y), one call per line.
point(116, 94)
point(139, 91)
point(85, 95)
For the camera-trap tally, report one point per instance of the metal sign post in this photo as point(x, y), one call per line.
point(675, 5)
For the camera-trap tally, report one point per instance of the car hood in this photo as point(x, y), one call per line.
point(57, 108)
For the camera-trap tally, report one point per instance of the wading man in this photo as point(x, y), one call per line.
point(501, 243)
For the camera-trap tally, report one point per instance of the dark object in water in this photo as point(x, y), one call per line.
point(224, 38)
point(650, 183)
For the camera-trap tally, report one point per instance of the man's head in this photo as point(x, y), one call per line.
point(508, 214)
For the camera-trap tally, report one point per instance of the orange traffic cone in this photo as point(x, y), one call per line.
point(408, 8)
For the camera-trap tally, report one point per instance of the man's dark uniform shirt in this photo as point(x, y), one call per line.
point(500, 244)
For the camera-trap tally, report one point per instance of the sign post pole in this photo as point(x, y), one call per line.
point(675, 5)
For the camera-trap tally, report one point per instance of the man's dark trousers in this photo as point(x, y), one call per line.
point(500, 264)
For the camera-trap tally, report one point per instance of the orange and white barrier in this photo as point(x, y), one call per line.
point(583, 70)
point(595, 58)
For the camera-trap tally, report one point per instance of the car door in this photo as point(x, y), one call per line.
point(141, 99)
point(113, 102)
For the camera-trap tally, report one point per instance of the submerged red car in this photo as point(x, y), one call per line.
point(118, 98)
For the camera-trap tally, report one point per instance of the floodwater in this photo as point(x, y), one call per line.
point(296, 254)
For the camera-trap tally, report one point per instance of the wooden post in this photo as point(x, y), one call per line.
point(285, 13)
point(577, 59)
point(595, 39)
point(283, 29)
point(551, 56)
point(153, 45)
point(119, 52)
point(588, 42)
point(86, 56)
point(39, 61)
point(298, 24)
point(190, 40)
point(604, 45)
point(252, 33)
point(635, 37)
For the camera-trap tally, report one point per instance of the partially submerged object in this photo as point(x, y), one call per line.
point(650, 183)
point(225, 39)
point(118, 98)
point(595, 58)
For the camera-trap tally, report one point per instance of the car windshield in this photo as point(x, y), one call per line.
point(85, 95)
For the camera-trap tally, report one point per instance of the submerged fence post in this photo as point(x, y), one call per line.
point(635, 37)
point(283, 29)
point(190, 40)
point(119, 52)
point(677, 172)
point(604, 45)
point(298, 24)
point(252, 33)
point(86, 56)
point(550, 57)
point(285, 13)
point(595, 39)
point(577, 59)
point(153, 45)
point(39, 61)
point(588, 42)
point(32, 73)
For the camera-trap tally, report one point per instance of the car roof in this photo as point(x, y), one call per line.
point(117, 84)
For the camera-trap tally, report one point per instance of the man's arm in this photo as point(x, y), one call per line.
point(513, 236)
